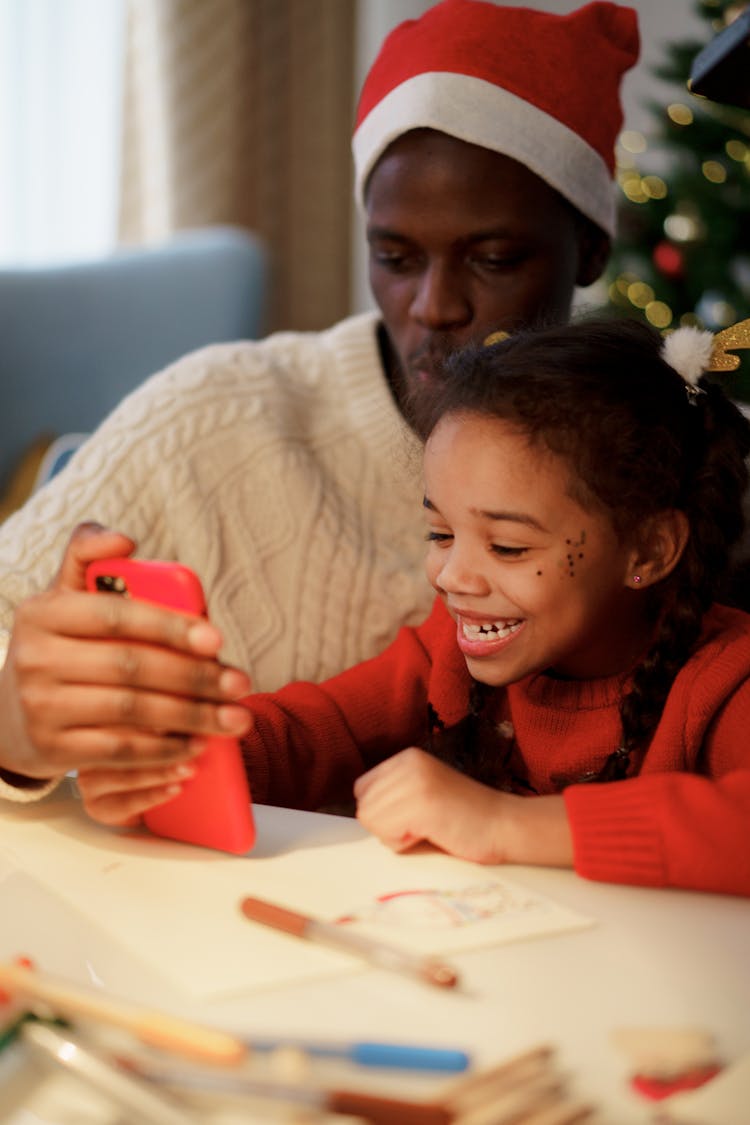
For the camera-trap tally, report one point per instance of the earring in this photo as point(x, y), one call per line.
point(637, 579)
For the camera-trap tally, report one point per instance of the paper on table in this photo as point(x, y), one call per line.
point(168, 904)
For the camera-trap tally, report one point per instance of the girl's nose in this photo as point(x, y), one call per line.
point(460, 574)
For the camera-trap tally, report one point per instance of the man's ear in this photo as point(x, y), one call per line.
point(661, 543)
point(594, 251)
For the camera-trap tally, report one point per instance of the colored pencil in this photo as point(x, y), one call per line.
point(399, 1056)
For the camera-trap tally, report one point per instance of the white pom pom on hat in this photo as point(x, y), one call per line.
point(541, 88)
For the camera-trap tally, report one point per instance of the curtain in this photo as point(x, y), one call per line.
point(60, 93)
point(240, 111)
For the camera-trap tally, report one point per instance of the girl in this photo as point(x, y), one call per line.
point(579, 695)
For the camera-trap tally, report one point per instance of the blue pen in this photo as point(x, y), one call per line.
point(398, 1055)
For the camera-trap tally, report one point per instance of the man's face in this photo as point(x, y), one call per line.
point(464, 242)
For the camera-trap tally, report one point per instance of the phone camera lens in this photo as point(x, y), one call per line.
point(111, 584)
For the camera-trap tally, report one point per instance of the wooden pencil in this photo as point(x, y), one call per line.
point(156, 1029)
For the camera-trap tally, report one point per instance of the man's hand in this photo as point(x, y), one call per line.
point(93, 680)
point(118, 797)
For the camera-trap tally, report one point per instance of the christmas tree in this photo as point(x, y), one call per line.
point(682, 254)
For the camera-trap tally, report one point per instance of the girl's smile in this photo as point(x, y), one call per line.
point(535, 581)
point(484, 638)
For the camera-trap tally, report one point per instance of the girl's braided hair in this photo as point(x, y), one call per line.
point(599, 394)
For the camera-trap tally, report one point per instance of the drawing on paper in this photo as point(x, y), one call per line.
point(447, 908)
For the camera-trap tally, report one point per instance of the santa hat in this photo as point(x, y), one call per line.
point(543, 89)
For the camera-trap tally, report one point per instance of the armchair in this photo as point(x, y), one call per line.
point(74, 339)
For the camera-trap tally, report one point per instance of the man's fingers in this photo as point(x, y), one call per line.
point(132, 708)
point(117, 797)
point(67, 660)
point(111, 617)
point(125, 810)
point(102, 782)
point(122, 750)
point(90, 541)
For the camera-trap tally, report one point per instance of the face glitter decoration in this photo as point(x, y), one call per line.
point(573, 554)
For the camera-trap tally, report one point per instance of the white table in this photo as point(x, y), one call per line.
point(654, 958)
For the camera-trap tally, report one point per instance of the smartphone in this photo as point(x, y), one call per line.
point(213, 808)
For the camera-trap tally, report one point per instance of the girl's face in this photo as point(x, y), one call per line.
point(534, 581)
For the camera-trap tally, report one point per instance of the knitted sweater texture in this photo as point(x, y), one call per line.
point(281, 471)
point(681, 820)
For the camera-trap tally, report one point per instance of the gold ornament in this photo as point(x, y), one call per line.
point(736, 336)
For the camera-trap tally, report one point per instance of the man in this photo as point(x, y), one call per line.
point(284, 471)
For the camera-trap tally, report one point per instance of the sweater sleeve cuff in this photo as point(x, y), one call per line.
point(615, 829)
point(15, 787)
point(24, 790)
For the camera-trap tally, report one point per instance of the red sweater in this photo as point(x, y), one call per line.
point(682, 821)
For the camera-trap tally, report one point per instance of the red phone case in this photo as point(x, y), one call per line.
point(214, 806)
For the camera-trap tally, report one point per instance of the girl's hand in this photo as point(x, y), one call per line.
point(98, 681)
point(413, 796)
point(119, 797)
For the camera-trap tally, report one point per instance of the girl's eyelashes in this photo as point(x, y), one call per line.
point(509, 552)
point(496, 548)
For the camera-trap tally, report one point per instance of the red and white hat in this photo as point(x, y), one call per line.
point(543, 89)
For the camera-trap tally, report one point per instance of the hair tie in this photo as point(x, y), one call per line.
point(495, 338)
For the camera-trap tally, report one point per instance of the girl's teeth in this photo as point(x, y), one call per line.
point(491, 630)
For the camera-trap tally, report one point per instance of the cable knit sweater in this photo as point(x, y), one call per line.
point(282, 472)
point(681, 821)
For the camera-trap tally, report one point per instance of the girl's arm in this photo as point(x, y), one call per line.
point(664, 830)
point(413, 796)
point(679, 829)
point(661, 830)
point(674, 829)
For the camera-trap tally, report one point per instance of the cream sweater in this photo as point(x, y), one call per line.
point(282, 472)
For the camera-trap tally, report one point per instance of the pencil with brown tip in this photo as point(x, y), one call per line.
point(377, 953)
